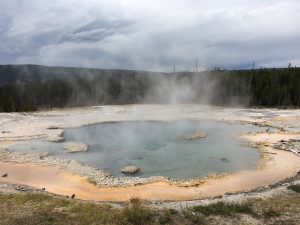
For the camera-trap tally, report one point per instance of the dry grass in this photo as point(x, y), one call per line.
point(40, 209)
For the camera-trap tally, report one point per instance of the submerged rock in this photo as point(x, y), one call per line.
point(60, 133)
point(40, 155)
point(195, 135)
point(74, 147)
point(130, 169)
point(224, 159)
point(138, 158)
point(53, 127)
point(55, 139)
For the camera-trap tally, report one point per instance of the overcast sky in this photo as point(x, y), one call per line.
point(150, 34)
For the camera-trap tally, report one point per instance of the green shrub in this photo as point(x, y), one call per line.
point(135, 214)
point(271, 213)
point(295, 188)
point(221, 208)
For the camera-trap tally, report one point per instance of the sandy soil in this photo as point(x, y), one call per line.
point(276, 166)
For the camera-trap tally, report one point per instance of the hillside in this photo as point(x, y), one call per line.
point(12, 73)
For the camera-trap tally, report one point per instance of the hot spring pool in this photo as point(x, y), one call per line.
point(158, 148)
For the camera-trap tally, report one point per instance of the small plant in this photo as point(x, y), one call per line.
point(47, 218)
point(271, 213)
point(165, 219)
point(167, 215)
point(135, 214)
point(295, 188)
point(173, 211)
point(222, 208)
point(190, 215)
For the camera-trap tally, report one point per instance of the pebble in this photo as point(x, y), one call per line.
point(285, 185)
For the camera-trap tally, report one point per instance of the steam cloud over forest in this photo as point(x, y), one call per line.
point(32, 87)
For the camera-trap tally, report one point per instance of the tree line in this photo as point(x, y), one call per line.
point(50, 89)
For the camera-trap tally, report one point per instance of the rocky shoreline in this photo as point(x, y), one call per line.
point(96, 176)
point(100, 178)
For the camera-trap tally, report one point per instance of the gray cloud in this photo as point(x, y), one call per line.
point(150, 34)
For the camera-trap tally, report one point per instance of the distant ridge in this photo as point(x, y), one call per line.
point(25, 72)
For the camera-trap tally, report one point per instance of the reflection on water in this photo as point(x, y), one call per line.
point(157, 148)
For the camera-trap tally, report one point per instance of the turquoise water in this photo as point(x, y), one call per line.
point(158, 148)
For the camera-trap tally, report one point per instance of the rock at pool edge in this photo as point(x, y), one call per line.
point(74, 147)
point(130, 169)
